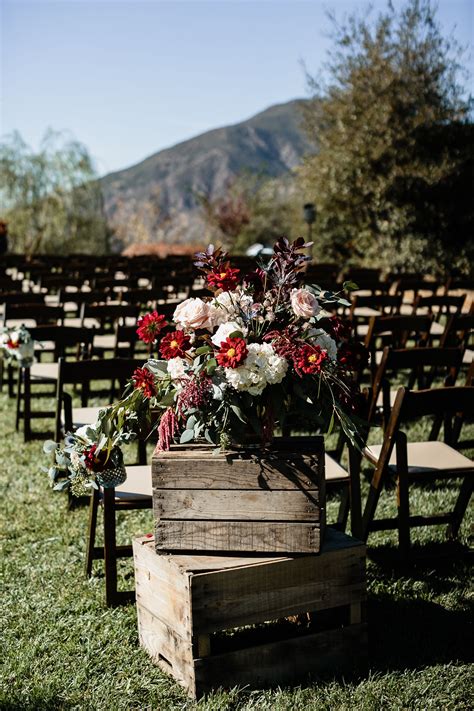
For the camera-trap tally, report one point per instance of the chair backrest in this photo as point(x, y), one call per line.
point(64, 338)
point(108, 314)
point(416, 361)
point(414, 404)
point(459, 330)
point(84, 373)
point(39, 313)
point(439, 305)
point(396, 331)
point(15, 298)
point(83, 297)
point(388, 304)
point(415, 284)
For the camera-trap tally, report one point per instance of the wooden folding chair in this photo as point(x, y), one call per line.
point(134, 493)
point(438, 307)
point(459, 332)
point(364, 308)
point(423, 366)
point(66, 341)
point(395, 331)
point(419, 462)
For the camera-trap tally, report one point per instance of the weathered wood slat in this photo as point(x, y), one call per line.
point(242, 596)
point(254, 536)
point(224, 505)
point(285, 661)
point(241, 500)
point(162, 589)
point(167, 649)
point(207, 472)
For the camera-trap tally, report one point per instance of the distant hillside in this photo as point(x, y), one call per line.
point(155, 199)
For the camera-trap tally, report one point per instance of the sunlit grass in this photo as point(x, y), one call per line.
point(63, 649)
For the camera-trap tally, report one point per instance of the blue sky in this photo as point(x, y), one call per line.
point(129, 77)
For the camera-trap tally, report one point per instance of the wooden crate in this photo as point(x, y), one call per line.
point(241, 501)
point(189, 606)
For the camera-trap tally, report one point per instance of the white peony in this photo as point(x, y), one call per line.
point(176, 368)
point(262, 367)
point(194, 314)
point(304, 303)
point(224, 331)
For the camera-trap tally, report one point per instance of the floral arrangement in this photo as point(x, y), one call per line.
point(16, 344)
point(84, 461)
point(261, 351)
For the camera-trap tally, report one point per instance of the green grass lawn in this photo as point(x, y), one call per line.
point(63, 649)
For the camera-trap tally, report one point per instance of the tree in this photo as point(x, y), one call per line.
point(253, 209)
point(393, 172)
point(52, 199)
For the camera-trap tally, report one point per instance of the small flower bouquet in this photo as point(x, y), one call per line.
point(88, 459)
point(260, 352)
point(16, 344)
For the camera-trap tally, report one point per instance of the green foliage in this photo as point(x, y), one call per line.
point(253, 209)
point(52, 199)
point(393, 173)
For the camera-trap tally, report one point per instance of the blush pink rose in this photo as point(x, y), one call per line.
point(304, 303)
point(193, 314)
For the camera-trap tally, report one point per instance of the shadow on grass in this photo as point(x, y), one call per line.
point(412, 634)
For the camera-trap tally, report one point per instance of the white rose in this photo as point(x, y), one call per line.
point(304, 303)
point(176, 368)
point(224, 331)
point(14, 336)
point(193, 314)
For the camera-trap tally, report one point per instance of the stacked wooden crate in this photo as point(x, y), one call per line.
point(246, 500)
point(306, 614)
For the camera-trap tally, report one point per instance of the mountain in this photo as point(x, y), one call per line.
point(154, 200)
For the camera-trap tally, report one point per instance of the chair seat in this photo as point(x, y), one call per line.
point(428, 457)
point(106, 341)
point(44, 372)
point(436, 329)
point(468, 357)
point(137, 486)
point(333, 471)
point(85, 415)
point(366, 312)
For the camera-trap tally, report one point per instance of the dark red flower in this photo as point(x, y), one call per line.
point(353, 356)
point(309, 359)
point(224, 277)
point(95, 461)
point(145, 381)
point(149, 326)
point(232, 353)
point(337, 328)
point(174, 345)
point(13, 344)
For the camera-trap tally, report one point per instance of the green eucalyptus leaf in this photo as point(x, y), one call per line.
point(186, 436)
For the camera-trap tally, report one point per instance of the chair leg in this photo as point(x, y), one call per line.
point(403, 504)
point(354, 490)
point(370, 508)
point(460, 506)
point(93, 507)
point(18, 402)
point(343, 513)
point(26, 404)
point(11, 389)
point(110, 548)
